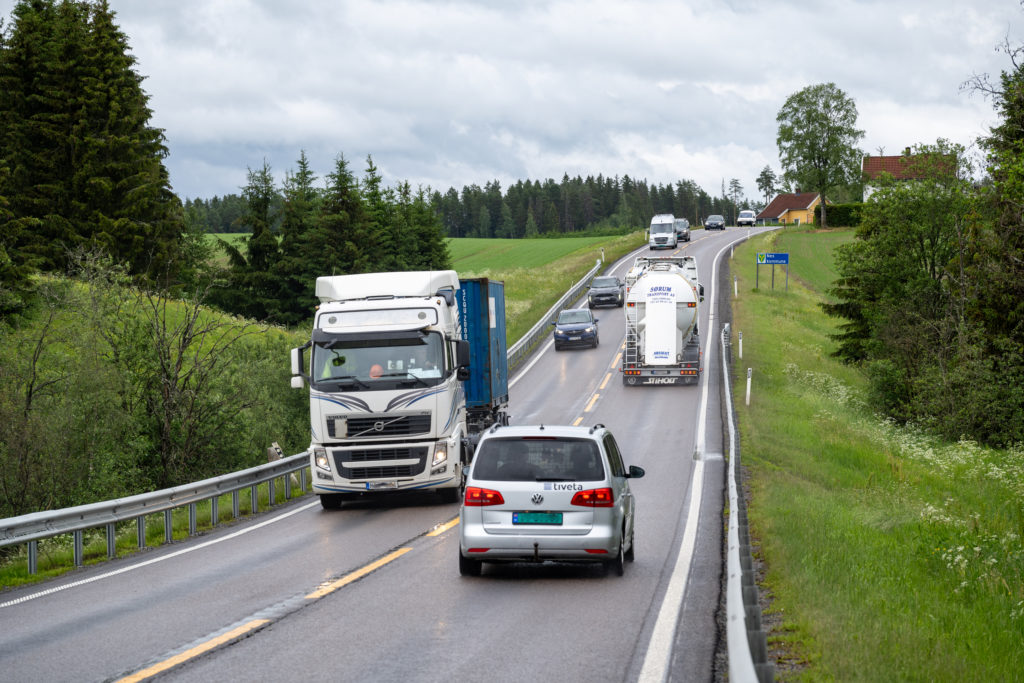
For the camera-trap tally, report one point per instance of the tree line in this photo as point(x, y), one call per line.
point(526, 208)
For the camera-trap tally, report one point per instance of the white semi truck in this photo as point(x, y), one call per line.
point(405, 370)
point(662, 306)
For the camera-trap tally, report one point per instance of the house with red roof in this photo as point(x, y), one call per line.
point(795, 208)
point(904, 166)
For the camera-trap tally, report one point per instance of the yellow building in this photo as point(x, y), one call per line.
point(796, 209)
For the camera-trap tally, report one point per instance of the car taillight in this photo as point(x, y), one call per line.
point(479, 496)
point(594, 498)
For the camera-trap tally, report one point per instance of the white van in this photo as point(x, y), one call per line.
point(663, 232)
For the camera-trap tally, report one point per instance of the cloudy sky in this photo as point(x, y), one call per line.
point(445, 93)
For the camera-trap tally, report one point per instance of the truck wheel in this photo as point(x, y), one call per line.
point(331, 501)
point(450, 495)
point(468, 566)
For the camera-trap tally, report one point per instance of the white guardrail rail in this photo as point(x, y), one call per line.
point(37, 526)
point(745, 640)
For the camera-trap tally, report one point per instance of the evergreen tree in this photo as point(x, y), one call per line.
point(253, 291)
point(338, 244)
point(86, 167)
point(296, 294)
point(389, 249)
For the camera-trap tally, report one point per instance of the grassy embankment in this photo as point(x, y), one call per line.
point(536, 273)
point(890, 555)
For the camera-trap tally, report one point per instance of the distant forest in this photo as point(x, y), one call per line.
point(525, 209)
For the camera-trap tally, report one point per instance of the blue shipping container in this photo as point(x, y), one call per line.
point(482, 316)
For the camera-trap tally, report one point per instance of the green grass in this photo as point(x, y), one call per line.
point(890, 555)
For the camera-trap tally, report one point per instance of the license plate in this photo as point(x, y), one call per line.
point(381, 485)
point(574, 338)
point(536, 517)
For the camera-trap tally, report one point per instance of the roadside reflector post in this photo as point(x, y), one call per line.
point(749, 372)
point(741, 348)
point(735, 286)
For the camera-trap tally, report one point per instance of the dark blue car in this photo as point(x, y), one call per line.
point(575, 327)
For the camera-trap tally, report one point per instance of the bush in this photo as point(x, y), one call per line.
point(840, 215)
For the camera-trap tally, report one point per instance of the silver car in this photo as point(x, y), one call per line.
point(537, 493)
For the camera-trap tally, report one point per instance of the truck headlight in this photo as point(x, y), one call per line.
point(322, 461)
point(440, 454)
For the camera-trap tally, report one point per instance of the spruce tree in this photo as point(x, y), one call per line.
point(86, 167)
point(337, 243)
point(296, 295)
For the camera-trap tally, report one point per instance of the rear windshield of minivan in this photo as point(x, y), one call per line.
point(538, 459)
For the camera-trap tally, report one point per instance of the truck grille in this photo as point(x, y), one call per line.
point(373, 427)
point(377, 465)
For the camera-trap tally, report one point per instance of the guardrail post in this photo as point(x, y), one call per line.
point(140, 531)
point(192, 521)
point(214, 510)
point(235, 508)
point(78, 548)
point(33, 557)
point(254, 499)
point(271, 492)
point(168, 526)
point(302, 479)
point(112, 540)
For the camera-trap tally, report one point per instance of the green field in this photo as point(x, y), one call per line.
point(536, 272)
point(890, 555)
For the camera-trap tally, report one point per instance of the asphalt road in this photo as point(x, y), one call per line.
point(372, 592)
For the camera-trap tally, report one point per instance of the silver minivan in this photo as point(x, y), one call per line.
point(662, 234)
point(547, 492)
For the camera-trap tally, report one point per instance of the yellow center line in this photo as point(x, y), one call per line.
point(577, 421)
point(605, 382)
point(357, 574)
point(443, 528)
point(618, 357)
point(174, 661)
point(593, 400)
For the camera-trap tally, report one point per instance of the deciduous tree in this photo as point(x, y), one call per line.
point(818, 138)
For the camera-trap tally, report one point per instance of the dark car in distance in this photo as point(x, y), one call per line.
point(606, 290)
point(575, 327)
point(714, 222)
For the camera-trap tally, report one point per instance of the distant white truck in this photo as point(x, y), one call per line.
point(662, 307)
point(662, 234)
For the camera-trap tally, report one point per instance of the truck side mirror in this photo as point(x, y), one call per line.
point(462, 354)
point(462, 360)
point(298, 378)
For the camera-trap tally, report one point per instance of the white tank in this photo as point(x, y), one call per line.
point(662, 303)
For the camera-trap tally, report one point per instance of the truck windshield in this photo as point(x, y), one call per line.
point(357, 363)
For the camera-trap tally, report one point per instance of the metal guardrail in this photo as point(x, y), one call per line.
point(745, 640)
point(522, 348)
point(32, 528)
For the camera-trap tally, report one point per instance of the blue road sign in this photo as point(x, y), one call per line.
point(770, 259)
